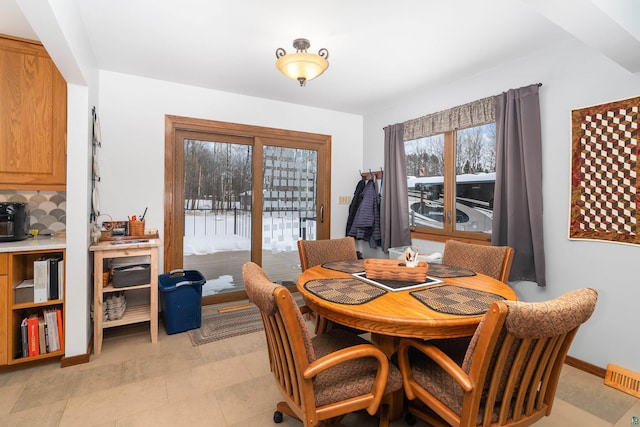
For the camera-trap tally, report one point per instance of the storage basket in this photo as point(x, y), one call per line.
point(392, 269)
point(131, 275)
point(136, 228)
point(107, 226)
point(181, 300)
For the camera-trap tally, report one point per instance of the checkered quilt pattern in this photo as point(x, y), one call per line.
point(604, 175)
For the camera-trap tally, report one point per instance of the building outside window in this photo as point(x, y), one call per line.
point(451, 181)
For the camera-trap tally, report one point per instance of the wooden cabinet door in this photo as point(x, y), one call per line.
point(33, 116)
point(4, 309)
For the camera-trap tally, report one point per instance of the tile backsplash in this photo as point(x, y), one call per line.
point(47, 209)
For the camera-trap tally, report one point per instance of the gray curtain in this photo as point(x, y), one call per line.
point(517, 210)
point(394, 206)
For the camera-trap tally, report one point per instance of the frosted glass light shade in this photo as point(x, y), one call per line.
point(302, 66)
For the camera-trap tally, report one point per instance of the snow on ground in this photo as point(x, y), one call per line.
point(203, 245)
point(214, 286)
point(208, 234)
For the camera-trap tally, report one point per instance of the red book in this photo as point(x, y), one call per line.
point(32, 330)
point(60, 329)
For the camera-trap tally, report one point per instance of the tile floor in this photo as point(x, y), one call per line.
point(221, 384)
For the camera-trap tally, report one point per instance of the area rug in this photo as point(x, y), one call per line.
point(220, 325)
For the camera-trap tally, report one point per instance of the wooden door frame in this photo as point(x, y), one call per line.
point(174, 171)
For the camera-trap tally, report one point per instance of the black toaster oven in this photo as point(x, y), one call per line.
point(14, 221)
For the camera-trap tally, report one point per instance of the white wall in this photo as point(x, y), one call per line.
point(62, 34)
point(573, 76)
point(132, 117)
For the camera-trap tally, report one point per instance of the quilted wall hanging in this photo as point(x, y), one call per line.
point(604, 172)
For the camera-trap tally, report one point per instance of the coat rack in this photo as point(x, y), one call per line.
point(369, 173)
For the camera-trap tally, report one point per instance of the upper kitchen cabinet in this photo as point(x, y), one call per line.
point(33, 118)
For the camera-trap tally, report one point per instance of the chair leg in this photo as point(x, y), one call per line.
point(383, 412)
point(427, 416)
point(286, 409)
point(322, 325)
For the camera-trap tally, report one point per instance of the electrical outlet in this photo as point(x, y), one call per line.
point(344, 200)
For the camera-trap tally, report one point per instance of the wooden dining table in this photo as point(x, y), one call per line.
point(419, 312)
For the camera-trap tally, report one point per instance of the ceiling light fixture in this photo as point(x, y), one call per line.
point(302, 66)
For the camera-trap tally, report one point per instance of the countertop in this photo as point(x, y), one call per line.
point(34, 244)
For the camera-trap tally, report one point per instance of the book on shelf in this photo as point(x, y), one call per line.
point(51, 322)
point(60, 328)
point(42, 335)
point(53, 292)
point(61, 279)
point(24, 337)
point(32, 329)
point(40, 280)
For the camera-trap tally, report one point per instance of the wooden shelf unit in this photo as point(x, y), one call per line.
point(105, 251)
point(19, 266)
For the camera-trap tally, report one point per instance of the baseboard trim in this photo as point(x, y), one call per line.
point(585, 366)
point(65, 362)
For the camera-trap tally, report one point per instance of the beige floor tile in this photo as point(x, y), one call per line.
point(48, 387)
point(582, 389)
point(204, 379)
point(239, 402)
point(248, 343)
point(141, 368)
point(117, 402)
point(123, 350)
point(175, 342)
point(265, 419)
point(47, 415)
point(257, 362)
point(218, 350)
point(202, 411)
point(10, 395)
point(15, 375)
point(100, 377)
point(625, 420)
point(564, 414)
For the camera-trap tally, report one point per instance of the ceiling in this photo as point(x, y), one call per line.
point(379, 50)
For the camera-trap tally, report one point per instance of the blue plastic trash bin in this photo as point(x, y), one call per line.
point(181, 300)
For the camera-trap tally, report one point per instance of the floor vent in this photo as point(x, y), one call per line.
point(623, 379)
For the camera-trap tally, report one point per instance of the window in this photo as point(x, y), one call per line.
point(451, 181)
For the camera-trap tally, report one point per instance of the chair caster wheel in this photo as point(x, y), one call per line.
point(277, 417)
point(410, 419)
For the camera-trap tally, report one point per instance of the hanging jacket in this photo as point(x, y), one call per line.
point(366, 223)
point(355, 203)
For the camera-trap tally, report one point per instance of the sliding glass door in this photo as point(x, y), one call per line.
point(289, 208)
point(239, 198)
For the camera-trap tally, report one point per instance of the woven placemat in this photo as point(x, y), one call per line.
point(344, 291)
point(351, 266)
point(444, 270)
point(456, 300)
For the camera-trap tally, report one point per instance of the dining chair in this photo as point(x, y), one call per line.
point(509, 372)
point(320, 378)
point(318, 252)
point(493, 261)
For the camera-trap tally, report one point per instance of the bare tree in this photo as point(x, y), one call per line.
point(427, 153)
